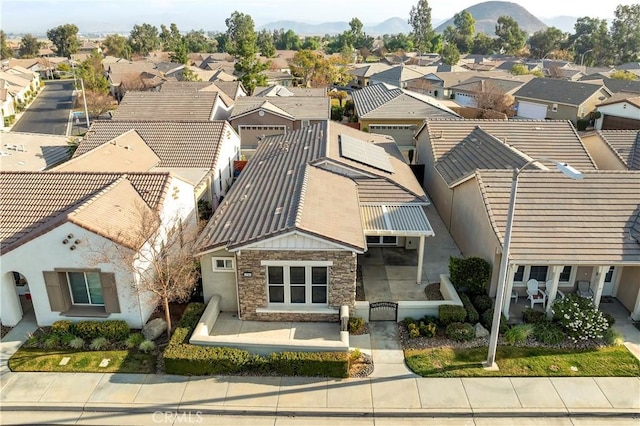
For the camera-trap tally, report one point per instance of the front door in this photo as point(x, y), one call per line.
point(609, 281)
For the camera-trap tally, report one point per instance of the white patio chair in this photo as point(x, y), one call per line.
point(584, 289)
point(559, 294)
point(534, 294)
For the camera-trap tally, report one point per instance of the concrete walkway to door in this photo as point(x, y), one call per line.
point(388, 357)
point(14, 339)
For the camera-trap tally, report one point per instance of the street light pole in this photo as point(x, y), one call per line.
point(84, 98)
point(568, 171)
point(582, 57)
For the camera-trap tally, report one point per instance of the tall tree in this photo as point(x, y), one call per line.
point(144, 39)
point(265, 44)
point(286, 40)
point(510, 37)
point(462, 31)
point(422, 30)
point(116, 45)
point(625, 32)
point(591, 35)
point(65, 39)
point(311, 43)
point(395, 42)
point(483, 44)
point(5, 50)
point(170, 38)
point(357, 38)
point(92, 74)
point(179, 54)
point(450, 54)
point(242, 43)
point(197, 41)
point(546, 41)
point(29, 46)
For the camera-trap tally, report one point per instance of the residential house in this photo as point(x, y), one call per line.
point(53, 223)
point(17, 85)
point(564, 231)
point(439, 83)
point(615, 85)
point(398, 75)
point(283, 244)
point(555, 99)
point(199, 152)
point(232, 89)
point(279, 90)
point(396, 112)
point(621, 111)
point(281, 78)
point(257, 117)
point(130, 76)
point(362, 73)
point(614, 149)
point(7, 99)
point(452, 150)
point(32, 152)
point(467, 92)
point(171, 106)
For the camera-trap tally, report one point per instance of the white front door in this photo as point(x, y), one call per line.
point(610, 281)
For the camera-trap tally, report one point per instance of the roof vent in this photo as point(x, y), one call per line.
point(289, 172)
point(278, 210)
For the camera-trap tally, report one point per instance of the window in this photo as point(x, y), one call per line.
point(223, 264)
point(298, 285)
point(519, 274)
point(538, 273)
point(85, 288)
point(609, 276)
point(220, 179)
point(565, 275)
point(377, 240)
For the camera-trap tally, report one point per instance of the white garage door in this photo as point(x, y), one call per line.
point(466, 100)
point(532, 110)
point(401, 133)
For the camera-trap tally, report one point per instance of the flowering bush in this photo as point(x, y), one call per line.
point(579, 318)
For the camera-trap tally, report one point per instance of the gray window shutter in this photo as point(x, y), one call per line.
point(110, 293)
point(57, 291)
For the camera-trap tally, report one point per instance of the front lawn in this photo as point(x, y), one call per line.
point(614, 361)
point(120, 361)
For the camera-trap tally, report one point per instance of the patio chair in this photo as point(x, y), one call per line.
point(559, 294)
point(584, 289)
point(534, 294)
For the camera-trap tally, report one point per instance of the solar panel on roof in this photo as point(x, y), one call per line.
point(365, 153)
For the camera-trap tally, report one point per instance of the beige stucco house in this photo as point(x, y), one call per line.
point(621, 111)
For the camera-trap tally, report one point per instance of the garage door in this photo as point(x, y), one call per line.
point(466, 100)
point(609, 122)
point(401, 133)
point(251, 135)
point(532, 110)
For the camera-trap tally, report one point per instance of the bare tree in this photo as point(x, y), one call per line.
point(98, 103)
point(492, 98)
point(158, 253)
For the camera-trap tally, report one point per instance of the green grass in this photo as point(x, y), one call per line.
point(614, 361)
point(122, 361)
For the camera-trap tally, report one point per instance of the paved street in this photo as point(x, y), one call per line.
point(49, 113)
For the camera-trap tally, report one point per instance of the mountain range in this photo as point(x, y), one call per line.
point(390, 26)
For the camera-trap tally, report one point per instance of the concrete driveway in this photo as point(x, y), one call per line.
point(49, 112)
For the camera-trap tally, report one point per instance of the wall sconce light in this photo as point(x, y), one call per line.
point(72, 248)
point(77, 242)
point(65, 241)
point(70, 236)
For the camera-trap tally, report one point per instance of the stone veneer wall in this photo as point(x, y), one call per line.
point(252, 291)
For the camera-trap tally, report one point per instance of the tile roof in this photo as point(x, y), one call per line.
point(196, 86)
point(282, 189)
point(166, 106)
point(193, 144)
point(536, 138)
point(480, 83)
point(622, 97)
point(385, 101)
point(298, 108)
point(560, 91)
point(563, 221)
point(367, 70)
point(34, 202)
point(400, 73)
point(615, 85)
point(121, 71)
point(32, 151)
point(478, 150)
point(626, 144)
point(279, 90)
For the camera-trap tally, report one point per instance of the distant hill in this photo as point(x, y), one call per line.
point(390, 26)
point(486, 15)
point(564, 23)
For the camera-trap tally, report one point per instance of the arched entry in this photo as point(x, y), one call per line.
point(15, 298)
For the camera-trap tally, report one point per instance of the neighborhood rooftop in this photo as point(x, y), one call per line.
point(560, 91)
point(626, 145)
point(565, 221)
point(166, 106)
point(298, 108)
point(32, 151)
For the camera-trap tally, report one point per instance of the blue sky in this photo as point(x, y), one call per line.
point(210, 14)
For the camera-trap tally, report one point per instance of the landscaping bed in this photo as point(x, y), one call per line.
point(4, 330)
point(120, 361)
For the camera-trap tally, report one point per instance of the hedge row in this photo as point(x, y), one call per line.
point(182, 358)
point(110, 329)
point(472, 314)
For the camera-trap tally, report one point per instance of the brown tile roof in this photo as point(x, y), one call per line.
point(276, 193)
point(563, 221)
point(166, 106)
point(32, 151)
point(622, 97)
point(301, 108)
point(536, 138)
point(279, 90)
point(121, 71)
point(177, 143)
point(34, 202)
point(196, 86)
point(626, 145)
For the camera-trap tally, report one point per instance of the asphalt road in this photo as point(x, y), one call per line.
point(49, 113)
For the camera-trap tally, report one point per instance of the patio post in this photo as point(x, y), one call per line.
point(552, 291)
point(601, 272)
point(420, 259)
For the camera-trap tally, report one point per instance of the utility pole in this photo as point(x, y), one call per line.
point(84, 98)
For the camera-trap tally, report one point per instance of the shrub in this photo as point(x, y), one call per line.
point(582, 125)
point(472, 314)
point(482, 302)
point(52, 341)
point(187, 323)
point(460, 332)
point(65, 338)
point(610, 319)
point(579, 318)
point(147, 346)
point(98, 344)
point(548, 333)
point(356, 325)
point(472, 274)
point(613, 337)
point(450, 313)
point(487, 319)
point(32, 342)
point(408, 321)
point(62, 326)
point(518, 334)
point(116, 330)
point(76, 343)
point(134, 340)
point(337, 112)
point(87, 329)
point(427, 329)
point(531, 316)
point(327, 364)
point(414, 331)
